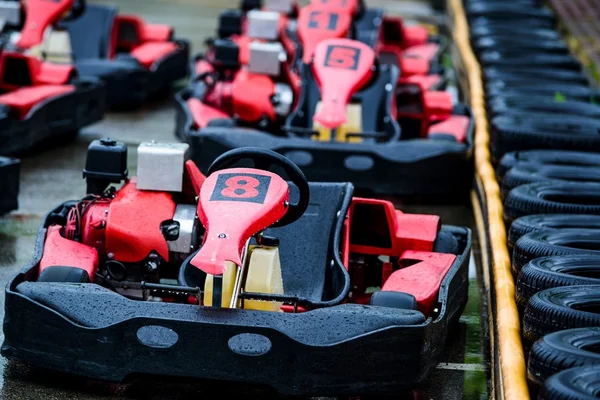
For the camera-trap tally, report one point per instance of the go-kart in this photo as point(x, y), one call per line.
point(350, 122)
point(136, 60)
point(298, 30)
point(9, 184)
point(41, 100)
point(231, 275)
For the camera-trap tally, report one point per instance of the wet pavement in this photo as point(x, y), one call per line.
point(53, 175)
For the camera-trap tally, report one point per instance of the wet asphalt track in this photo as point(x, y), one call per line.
point(53, 175)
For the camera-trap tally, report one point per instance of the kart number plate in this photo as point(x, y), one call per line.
point(252, 188)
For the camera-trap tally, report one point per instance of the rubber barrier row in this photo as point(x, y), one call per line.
point(538, 174)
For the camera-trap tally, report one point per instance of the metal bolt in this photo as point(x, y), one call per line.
point(152, 266)
point(222, 236)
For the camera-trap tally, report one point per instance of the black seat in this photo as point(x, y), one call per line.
point(90, 34)
point(306, 245)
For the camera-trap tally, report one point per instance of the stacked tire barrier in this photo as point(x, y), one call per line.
point(539, 133)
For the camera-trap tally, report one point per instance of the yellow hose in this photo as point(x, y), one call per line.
point(511, 358)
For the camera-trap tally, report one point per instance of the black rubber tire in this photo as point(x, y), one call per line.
point(555, 271)
point(555, 243)
point(446, 242)
point(527, 44)
point(558, 75)
point(581, 383)
point(523, 174)
point(549, 222)
point(550, 91)
point(399, 300)
point(560, 308)
point(64, 274)
point(514, 133)
point(498, 57)
point(539, 104)
point(552, 198)
point(495, 25)
point(562, 350)
point(508, 12)
point(551, 157)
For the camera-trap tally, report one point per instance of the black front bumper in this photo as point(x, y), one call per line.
point(9, 184)
point(427, 168)
point(129, 83)
point(54, 118)
point(87, 330)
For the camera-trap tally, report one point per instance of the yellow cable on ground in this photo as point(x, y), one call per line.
point(512, 360)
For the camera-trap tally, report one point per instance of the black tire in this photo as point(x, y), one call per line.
point(518, 132)
point(552, 198)
point(539, 104)
point(508, 11)
point(508, 31)
point(495, 25)
point(555, 271)
point(549, 222)
point(551, 157)
point(64, 274)
point(562, 350)
point(555, 243)
point(560, 308)
point(552, 91)
point(523, 174)
point(558, 75)
point(529, 45)
point(446, 242)
point(581, 383)
point(499, 57)
point(400, 300)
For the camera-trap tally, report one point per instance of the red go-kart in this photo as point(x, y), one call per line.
point(351, 120)
point(41, 100)
point(231, 275)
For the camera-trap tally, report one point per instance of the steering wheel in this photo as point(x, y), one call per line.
point(264, 159)
point(76, 11)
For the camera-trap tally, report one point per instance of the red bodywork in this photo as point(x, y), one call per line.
point(419, 271)
point(46, 80)
point(64, 252)
point(341, 67)
point(40, 14)
point(316, 24)
point(234, 205)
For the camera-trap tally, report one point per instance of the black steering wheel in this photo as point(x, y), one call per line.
point(77, 10)
point(264, 159)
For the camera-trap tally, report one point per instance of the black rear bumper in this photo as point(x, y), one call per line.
point(9, 184)
point(54, 118)
point(87, 330)
point(129, 83)
point(429, 168)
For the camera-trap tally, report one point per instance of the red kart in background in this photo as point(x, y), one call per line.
point(40, 100)
point(341, 109)
point(248, 264)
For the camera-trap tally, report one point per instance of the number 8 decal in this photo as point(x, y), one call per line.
point(343, 57)
point(252, 188)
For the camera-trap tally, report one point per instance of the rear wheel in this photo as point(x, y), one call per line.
point(573, 384)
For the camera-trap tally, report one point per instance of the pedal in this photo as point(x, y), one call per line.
point(229, 278)
point(264, 276)
point(353, 124)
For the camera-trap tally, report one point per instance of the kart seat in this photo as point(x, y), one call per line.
point(101, 34)
point(306, 245)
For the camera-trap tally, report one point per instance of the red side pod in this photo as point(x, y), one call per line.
point(203, 114)
point(133, 223)
point(156, 33)
point(59, 251)
point(252, 96)
point(149, 53)
point(456, 125)
point(406, 231)
point(22, 101)
point(235, 204)
point(39, 15)
point(421, 279)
